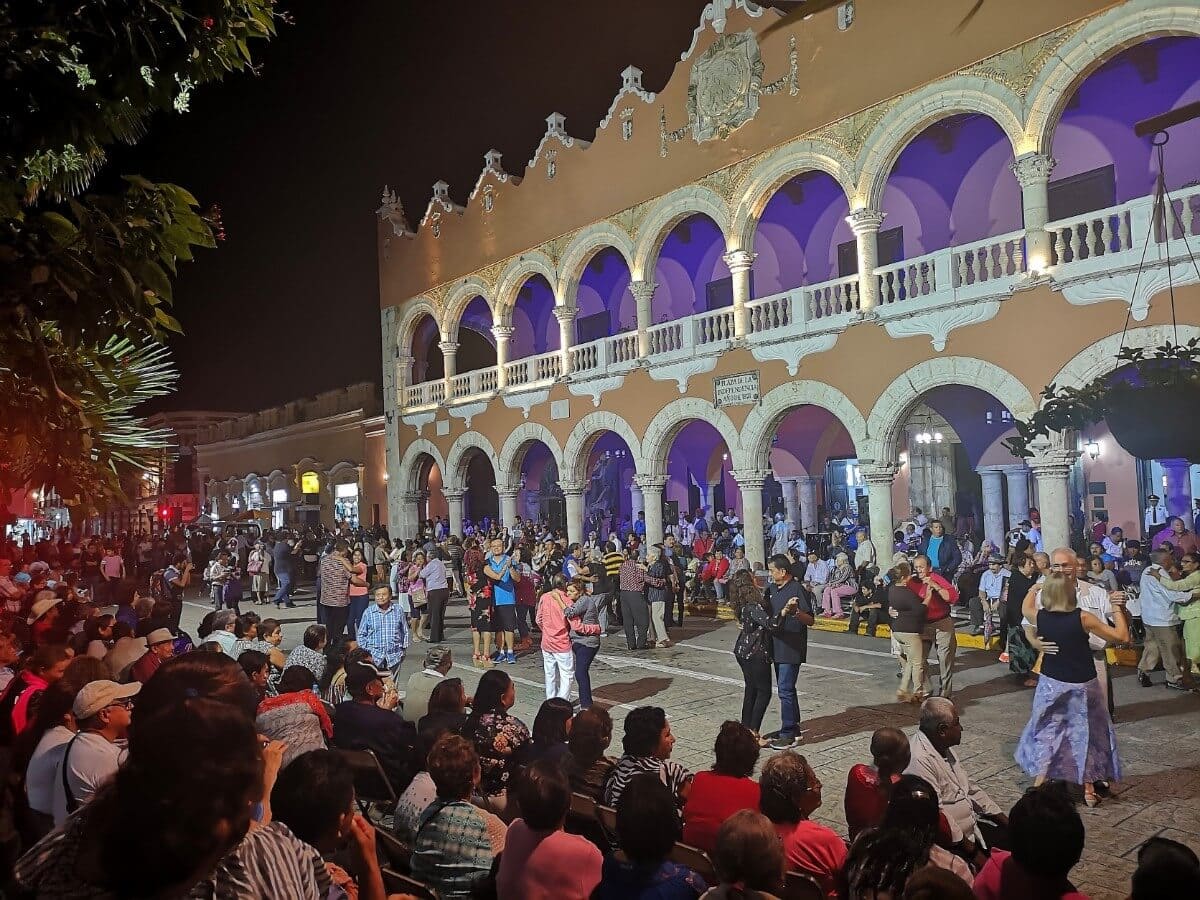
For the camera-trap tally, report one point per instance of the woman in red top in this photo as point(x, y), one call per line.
point(727, 788)
point(791, 792)
point(869, 787)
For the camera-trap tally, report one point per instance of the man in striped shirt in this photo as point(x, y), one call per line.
point(382, 632)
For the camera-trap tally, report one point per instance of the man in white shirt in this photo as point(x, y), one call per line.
point(1160, 615)
point(102, 711)
point(438, 662)
point(919, 517)
point(817, 572)
point(780, 532)
point(970, 812)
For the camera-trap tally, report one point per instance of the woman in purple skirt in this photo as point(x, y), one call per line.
point(1070, 734)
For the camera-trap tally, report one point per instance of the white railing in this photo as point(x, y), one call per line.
point(1097, 234)
point(989, 261)
point(770, 313)
point(670, 337)
point(830, 298)
point(1184, 221)
point(621, 349)
point(586, 357)
point(713, 327)
point(534, 369)
point(912, 278)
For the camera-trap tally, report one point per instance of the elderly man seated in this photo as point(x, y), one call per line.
point(973, 816)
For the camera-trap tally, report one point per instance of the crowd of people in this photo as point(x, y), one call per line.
point(236, 758)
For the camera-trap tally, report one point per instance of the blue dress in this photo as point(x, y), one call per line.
point(1070, 734)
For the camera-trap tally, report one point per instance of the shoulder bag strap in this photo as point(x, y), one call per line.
point(72, 803)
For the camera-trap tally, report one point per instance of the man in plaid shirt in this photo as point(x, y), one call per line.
point(383, 632)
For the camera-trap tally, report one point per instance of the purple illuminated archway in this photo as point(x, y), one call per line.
point(535, 330)
point(690, 272)
point(476, 343)
point(605, 304)
point(1096, 128)
point(699, 471)
point(799, 234)
point(427, 364)
point(952, 185)
point(607, 503)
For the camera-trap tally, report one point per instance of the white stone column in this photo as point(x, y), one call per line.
point(879, 480)
point(1033, 174)
point(454, 500)
point(650, 489)
point(566, 334)
point(643, 292)
point(1052, 469)
point(807, 488)
point(637, 503)
point(1017, 479)
point(750, 484)
point(508, 503)
point(993, 504)
point(404, 366)
point(865, 225)
point(449, 365)
point(740, 263)
point(573, 495)
point(1178, 499)
point(501, 333)
point(791, 502)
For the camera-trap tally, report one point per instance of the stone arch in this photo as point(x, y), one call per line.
point(1089, 47)
point(584, 245)
point(775, 170)
point(669, 211)
point(666, 425)
point(579, 443)
point(1101, 358)
point(414, 312)
point(410, 468)
point(512, 454)
point(914, 112)
point(458, 298)
point(339, 471)
point(760, 425)
point(454, 475)
point(515, 275)
point(894, 405)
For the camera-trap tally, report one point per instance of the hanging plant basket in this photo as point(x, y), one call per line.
point(1150, 405)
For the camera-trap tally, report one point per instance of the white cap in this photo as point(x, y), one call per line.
point(100, 694)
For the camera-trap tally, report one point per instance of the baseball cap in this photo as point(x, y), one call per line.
point(995, 560)
point(45, 602)
point(360, 674)
point(96, 696)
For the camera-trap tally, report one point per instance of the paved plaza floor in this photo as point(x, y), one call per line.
point(847, 691)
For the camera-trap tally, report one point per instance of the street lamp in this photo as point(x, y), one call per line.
point(1093, 449)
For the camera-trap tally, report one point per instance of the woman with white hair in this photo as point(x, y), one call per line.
point(841, 584)
point(657, 575)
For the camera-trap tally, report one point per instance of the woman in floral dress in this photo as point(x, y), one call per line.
point(416, 594)
point(502, 741)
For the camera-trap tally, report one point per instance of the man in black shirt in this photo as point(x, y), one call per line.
point(361, 724)
point(792, 606)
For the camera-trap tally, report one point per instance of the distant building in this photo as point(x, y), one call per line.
point(315, 461)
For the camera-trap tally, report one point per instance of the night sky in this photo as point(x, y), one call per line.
point(353, 96)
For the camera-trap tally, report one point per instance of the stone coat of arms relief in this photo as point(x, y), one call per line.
point(724, 87)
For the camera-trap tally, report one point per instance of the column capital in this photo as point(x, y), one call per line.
point(739, 260)
point(502, 332)
point(650, 482)
point(411, 497)
point(807, 480)
point(1014, 468)
point(865, 220)
point(749, 479)
point(1053, 463)
point(1033, 168)
point(879, 473)
point(565, 314)
point(990, 470)
point(573, 488)
point(508, 490)
point(448, 346)
point(643, 290)
point(453, 496)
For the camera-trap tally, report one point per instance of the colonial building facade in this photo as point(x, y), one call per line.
point(318, 461)
point(824, 268)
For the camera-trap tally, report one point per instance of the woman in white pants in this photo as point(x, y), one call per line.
point(657, 575)
point(558, 660)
